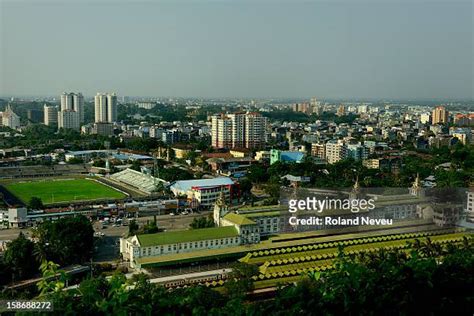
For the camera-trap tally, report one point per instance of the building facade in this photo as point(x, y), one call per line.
point(9, 118)
point(105, 106)
point(239, 130)
point(71, 101)
point(174, 242)
point(205, 191)
point(69, 119)
point(335, 151)
point(470, 206)
point(50, 115)
point(440, 115)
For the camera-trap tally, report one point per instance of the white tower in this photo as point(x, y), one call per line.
point(220, 209)
point(416, 189)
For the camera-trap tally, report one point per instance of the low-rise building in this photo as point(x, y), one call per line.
point(181, 151)
point(286, 156)
point(17, 217)
point(318, 150)
point(240, 152)
point(173, 242)
point(235, 167)
point(470, 206)
point(205, 191)
point(262, 155)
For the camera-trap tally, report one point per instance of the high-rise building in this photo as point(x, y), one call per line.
point(357, 152)
point(341, 110)
point(35, 116)
point(69, 119)
point(335, 151)
point(9, 118)
point(362, 109)
point(315, 106)
point(50, 115)
point(464, 119)
point(105, 107)
point(104, 129)
point(464, 135)
point(318, 150)
point(73, 102)
point(302, 107)
point(239, 130)
point(425, 118)
point(440, 115)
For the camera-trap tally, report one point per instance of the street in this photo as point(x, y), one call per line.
point(107, 246)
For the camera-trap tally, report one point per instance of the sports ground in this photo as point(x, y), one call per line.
point(62, 190)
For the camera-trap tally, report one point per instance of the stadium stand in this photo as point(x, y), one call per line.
point(142, 182)
point(42, 171)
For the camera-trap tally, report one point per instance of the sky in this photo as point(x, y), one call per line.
point(329, 49)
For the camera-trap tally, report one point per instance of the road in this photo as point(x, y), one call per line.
point(107, 247)
point(9, 234)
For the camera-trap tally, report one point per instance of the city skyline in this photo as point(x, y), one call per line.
point(253, 50)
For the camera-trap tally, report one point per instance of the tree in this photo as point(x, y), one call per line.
point(66, 241)
point(202, 222)
point(35, 203)
point(19, 257)
point(257, 174)
point(151, 227)
point(136, 165)
point(245, 186)
point(75, 161)
point(132, 227)
point(240, 280)
point(175, 174)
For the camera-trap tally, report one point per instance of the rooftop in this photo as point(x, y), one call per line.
point(291, 156)
point(181, 236)
point(238, 219)
point(261, 214)
point(186, 185)
point(262, 208)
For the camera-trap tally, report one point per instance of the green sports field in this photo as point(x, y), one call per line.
point(62, 190)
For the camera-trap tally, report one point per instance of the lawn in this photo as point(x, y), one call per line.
point(62, 190)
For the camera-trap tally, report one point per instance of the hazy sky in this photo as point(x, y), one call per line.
point(329, 49)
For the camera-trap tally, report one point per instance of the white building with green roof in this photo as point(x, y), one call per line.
point(248, 229)
point(179, 241)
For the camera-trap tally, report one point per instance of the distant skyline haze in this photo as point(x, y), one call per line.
point(342, 49)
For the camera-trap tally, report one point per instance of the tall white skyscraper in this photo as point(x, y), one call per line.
point(239, 130)
point(73, 102)
point(105, 107)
